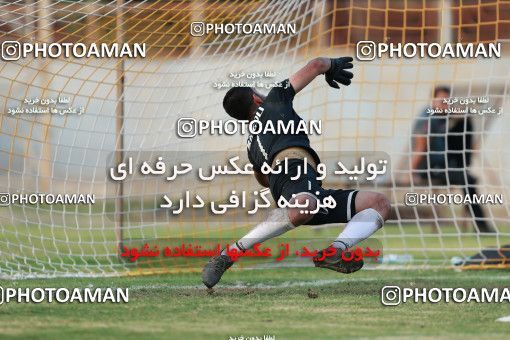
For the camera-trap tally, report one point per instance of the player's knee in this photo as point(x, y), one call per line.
point(382, 205)
point(306, 210)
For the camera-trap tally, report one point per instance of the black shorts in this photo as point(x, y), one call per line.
point(284, 185)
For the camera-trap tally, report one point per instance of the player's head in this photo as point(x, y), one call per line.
point(440, 93)
point(242, 102)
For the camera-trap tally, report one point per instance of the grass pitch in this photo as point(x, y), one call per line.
point(287, 303)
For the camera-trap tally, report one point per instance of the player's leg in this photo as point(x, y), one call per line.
point(279, 221)
point(296, 188)
point(372, 209)
point(463, 177)
point(364, 212)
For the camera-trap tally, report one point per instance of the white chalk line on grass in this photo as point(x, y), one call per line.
point(238, 285)
point(316, 283)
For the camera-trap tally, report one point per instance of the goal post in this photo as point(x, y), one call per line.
point(121, 108)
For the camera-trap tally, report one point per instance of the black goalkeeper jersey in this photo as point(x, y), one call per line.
point(276, 107)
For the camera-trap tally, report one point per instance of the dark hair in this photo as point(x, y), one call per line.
point(442, 88)
point(238, 102)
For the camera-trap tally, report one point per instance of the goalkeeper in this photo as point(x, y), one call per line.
point(363, 211)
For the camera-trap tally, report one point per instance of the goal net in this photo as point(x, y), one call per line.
point(69, 121)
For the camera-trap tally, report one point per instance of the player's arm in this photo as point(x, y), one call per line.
point(261, 178)
point(334, 69)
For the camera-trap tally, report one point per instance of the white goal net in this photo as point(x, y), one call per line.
point(102, 111)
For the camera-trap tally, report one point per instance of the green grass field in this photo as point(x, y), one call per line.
point(289, 303)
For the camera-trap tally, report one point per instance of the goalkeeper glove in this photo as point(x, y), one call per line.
point(337, 72)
